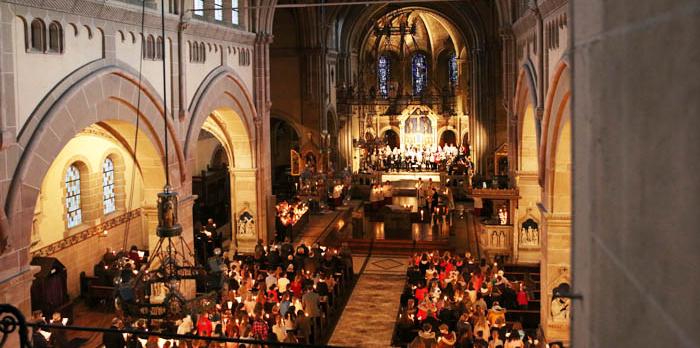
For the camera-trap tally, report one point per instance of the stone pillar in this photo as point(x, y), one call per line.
point(555, 267)
point(261, 86)
point(635, 238)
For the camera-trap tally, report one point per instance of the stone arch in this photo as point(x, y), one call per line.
point(444, 129)
point(222, 104)
point(222, 88)
point(527, 131)
point(556, 103)
point(284, 116)
point(96, 93)
point(555, 176)
point(442, 141)
point(386, 130)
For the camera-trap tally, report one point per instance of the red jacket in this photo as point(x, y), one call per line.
point(204, 326)
point(521, 298)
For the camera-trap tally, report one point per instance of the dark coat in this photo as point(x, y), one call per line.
point(113, 339)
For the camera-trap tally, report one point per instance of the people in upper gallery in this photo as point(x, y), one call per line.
point(470, 299)
point(449, 158)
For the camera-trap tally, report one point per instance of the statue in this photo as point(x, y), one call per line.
point(246, 224)
point(529, 233)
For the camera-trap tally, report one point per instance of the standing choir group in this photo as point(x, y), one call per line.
point(419, 158)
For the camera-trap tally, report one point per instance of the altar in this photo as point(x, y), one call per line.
point(413, 176)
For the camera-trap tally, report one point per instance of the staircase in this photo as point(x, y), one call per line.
point(530, 317)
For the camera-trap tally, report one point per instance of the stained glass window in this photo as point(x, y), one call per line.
point(452, 69)
point(74, 215)
point(420, 73)
point(383, 75)
point(108, 199)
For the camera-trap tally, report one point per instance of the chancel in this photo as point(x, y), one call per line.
point(379, 173)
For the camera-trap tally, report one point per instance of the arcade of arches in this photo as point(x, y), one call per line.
point(519, 154)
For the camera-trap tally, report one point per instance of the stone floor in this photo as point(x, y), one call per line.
point(368, 318)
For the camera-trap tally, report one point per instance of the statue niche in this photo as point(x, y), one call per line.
point(529, 234)
point(246, 224)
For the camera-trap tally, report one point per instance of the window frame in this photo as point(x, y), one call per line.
point(111, 185)
point(56, 29)
point(419, 90)
point(37, 34)
point(383, 92)
point(73, 193)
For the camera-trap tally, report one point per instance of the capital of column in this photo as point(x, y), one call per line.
point(506, 32)
point(263, 38)
point(539, 112)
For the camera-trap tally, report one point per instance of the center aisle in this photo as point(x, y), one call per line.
point(369, 316)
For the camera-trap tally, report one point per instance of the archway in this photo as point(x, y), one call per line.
point(555, 174)
point(212, 187)
point(96, 194)
point(283, 139)
point(391, 138)
point(448, 137)
point(221, 173)
point(104, 93)
point(223, 107)
point(526, 165)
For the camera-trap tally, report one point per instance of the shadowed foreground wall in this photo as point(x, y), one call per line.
point(636, 114)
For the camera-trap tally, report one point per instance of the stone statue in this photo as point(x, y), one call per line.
point(246, 224)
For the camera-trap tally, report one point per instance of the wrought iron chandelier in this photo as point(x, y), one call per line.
point(156, 291)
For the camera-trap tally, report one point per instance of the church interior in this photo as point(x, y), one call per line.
point(347, 173)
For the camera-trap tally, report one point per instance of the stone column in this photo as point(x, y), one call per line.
point(261, 86)
point(555, 270)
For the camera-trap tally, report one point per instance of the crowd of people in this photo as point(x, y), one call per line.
point(454, 301)
point(419, 158)
point(277, 294)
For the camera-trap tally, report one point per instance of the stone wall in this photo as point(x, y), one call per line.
point(636, 188)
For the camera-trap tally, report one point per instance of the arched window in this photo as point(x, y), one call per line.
point(108, 197)
point(194, 51)
point(38, 35)
point(420, 73)
point(234, 12)
point(173, 6)
point(383, 75)
point(74, 214)
point(452, 71)
point(149, 53)
point(55, 37)
point(159, 48)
